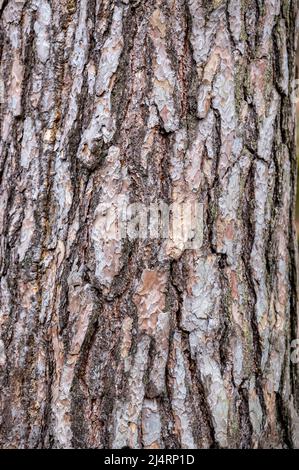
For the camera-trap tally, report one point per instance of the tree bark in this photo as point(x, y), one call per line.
point(141, 343)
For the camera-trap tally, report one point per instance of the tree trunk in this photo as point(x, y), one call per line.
point(144, 342)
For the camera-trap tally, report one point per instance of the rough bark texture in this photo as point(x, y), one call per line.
point(142, 343)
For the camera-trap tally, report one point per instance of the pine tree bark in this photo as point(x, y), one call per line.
point(140, 343)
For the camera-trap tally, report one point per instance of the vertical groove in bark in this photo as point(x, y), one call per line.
point(143, 343)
